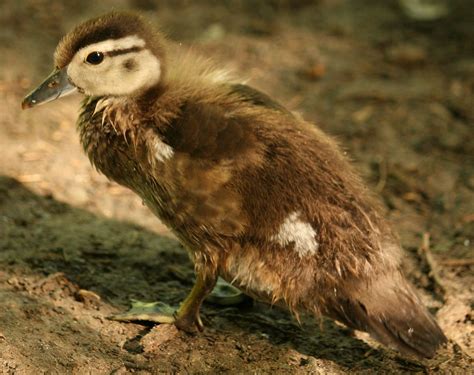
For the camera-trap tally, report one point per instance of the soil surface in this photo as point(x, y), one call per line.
point(76, 248)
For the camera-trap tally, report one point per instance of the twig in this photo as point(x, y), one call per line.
point(458, 262)
point(425, 254)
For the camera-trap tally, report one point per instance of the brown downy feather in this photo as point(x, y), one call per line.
point(389, 309)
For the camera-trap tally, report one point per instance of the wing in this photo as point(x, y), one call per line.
point(204, 138)
point(254, 96)
point(209, 132)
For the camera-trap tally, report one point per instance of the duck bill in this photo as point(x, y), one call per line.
point(55, 86)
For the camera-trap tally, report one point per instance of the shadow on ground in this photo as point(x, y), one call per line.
point(65, 270)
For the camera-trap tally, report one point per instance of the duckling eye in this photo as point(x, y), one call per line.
point(95, 58)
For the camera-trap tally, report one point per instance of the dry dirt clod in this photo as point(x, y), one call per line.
point(88, 297)
point(158, 336)
point(315, 72)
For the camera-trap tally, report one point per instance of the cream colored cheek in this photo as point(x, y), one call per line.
point(88, 78)
point(73, 75)
point(145, 73)
point(112, 77)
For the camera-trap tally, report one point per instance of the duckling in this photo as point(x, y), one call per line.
point(257, 195)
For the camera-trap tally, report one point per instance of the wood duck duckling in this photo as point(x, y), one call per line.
point(257, 195)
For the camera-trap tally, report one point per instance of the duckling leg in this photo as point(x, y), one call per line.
point(186, 317)
point(212, 288)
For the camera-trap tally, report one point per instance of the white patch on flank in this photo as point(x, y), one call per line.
point(163, 151)
point(301, 234)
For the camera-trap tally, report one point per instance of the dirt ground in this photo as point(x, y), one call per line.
point(75, 248)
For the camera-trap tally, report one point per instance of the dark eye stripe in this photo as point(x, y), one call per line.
point(124, 51)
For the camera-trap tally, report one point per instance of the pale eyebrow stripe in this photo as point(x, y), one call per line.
point(118, 52)
point(115, 44)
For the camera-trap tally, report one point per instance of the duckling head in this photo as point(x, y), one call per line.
point(117, 54)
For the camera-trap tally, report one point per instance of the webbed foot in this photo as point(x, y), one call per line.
point(186, 317)
point(225, 294)
point(156, 312)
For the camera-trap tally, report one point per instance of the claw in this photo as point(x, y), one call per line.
point(188, 323)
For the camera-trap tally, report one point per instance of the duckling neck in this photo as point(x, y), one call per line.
point(148, 97)
point(113, 127)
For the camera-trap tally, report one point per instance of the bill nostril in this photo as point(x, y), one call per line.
point(53, 84)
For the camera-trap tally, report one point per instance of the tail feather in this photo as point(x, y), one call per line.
point(392, 313)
